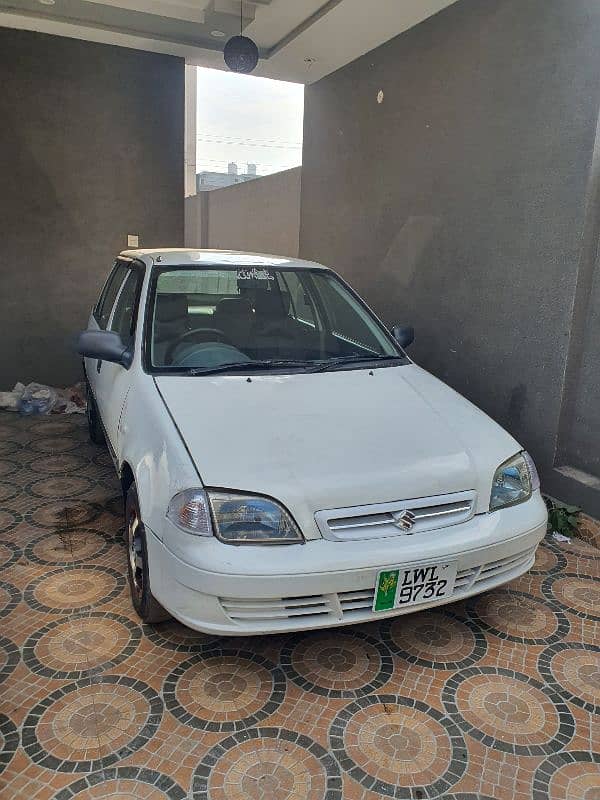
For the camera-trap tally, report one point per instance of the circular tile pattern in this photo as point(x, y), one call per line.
point(59, 463)
point(45, 427)
point(262, 763)
point(465, 796)
point(124, 783)
point(508, 711)
point(10, 597)
point(69, 648)
point(336, 663)
point(8, 491)
point(568, 776)
point(9, 447)
point(435, 639)
point(8, 519)
point(63, 514)
point(68, 547)
point(102, 458)
point(395, 745)
point(580, 594)
point(9, 741)
point(62, 732)
point(74, 588)
point(578, 548)
point(9, 554)
point(115, 506)
point(547, 561)
point(8, 467)
point(566, 668)
point(572, 670)
point(224, 690)
point(9, 657)
point(172, 635)
point(7, 429)
point(518, 617)
point(61, 486)
point(53, 444)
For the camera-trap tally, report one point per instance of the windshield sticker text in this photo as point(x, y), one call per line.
point(254, 274)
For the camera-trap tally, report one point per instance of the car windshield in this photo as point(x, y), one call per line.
point(252, 317)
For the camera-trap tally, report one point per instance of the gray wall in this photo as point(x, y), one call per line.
point(91, 149)
point(466, 204)
point(262, 215)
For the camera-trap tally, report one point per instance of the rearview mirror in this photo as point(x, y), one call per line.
point(105, 346)
point(403, 334)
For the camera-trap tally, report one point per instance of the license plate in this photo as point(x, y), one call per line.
point(401, 587)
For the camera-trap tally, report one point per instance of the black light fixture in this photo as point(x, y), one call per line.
point(240, 52)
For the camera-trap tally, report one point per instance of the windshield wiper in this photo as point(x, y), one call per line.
point(282, 363)
point(332, 363)
point(251, 365)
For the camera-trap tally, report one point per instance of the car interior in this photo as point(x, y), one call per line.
point(192, 330)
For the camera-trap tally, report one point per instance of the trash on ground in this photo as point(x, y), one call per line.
point(560, 537)
point(37, 398)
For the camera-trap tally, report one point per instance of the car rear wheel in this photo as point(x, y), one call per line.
point(146, 605)
point(94, 425)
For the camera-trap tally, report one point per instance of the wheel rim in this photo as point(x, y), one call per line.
point(135, 553)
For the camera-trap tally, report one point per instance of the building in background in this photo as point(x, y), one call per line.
point(206, 181)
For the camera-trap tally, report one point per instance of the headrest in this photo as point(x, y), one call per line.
point(271, 304)
point(170, 307)
point(233, 307)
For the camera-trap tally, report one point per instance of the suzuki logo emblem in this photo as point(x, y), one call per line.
point(404, 519)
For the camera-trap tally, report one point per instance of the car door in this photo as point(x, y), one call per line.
point(113, 380)
point(101, 314)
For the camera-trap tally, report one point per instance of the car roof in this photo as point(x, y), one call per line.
point(192, 257)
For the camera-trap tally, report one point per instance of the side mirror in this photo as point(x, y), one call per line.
point(105, 346)
point(403, 334)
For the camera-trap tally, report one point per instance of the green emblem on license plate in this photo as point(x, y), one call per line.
point(386, 590)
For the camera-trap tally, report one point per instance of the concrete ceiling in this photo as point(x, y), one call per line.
point(299, 40)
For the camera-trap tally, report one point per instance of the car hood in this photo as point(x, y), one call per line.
point(336, 439)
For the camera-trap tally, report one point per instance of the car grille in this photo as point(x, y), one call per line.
point(355, 606)
point(385, 519)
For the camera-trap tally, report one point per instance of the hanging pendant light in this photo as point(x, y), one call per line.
point(240, 52)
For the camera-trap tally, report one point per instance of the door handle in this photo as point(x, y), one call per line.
point(99, 365)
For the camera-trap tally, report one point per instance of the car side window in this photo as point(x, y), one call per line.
point(347, 318)
point(125, 313)
point(301, 305)
point(109, 293)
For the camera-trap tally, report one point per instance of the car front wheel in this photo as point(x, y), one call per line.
point(148, 608)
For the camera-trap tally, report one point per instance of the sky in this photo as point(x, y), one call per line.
point(248, 120)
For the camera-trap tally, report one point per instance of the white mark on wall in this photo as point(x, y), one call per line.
point(380, 96)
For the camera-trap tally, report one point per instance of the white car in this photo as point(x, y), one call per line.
point(285, 465)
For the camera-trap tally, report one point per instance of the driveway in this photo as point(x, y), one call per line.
point(493, 697)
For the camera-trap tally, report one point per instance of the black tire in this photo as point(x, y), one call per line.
point(94, 425)
point(146, 605)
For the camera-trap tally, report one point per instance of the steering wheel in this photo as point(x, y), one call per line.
point(197, 335)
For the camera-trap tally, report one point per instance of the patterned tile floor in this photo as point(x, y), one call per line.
point(497, 697)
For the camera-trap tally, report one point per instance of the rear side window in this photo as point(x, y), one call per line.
point(109, 294)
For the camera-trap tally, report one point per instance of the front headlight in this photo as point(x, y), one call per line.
point(233, 518)
point(514, 482)
point(251, 519)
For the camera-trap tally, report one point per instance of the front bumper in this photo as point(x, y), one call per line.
point(225, 590)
